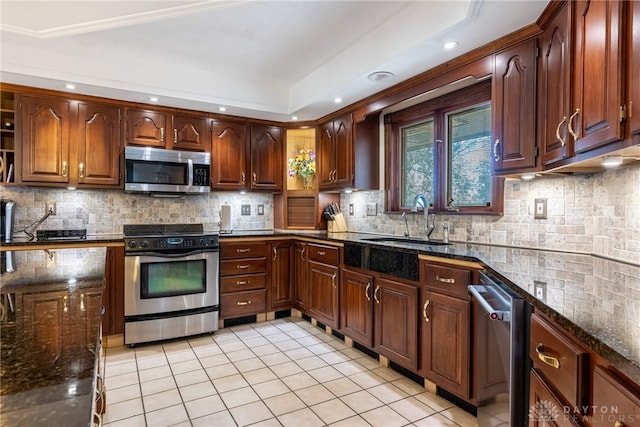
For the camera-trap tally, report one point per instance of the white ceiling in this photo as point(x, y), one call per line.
point(261, 59)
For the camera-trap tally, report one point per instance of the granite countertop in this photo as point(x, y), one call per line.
point(48, 352)
point(595, 299)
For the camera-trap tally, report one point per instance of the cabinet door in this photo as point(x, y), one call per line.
point(146, 128)
point(44, 319)
point(614, 402)
point(544, 407)
point(326, 156)
point(113, 320)
point(228, 156)
point(554, 102)
point(514, 113)
point(301, 277)
point(266, 158)
point(98, 139)
point(45, 140)
point(191, 133)
point(634, 68)
point(343, 146)
point(281, 287)
point(446, 342)
point(356, 313)
point(396, 321)
point(323, 293)
point(598, 96)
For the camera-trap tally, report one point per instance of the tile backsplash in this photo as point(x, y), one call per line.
point(598, 213)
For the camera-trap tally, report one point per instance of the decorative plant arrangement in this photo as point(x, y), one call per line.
point(303, 165)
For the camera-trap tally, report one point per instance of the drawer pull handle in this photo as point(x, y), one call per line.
point(375, 294)
point(242, 267)
point(243, 251)
point(445, 279)
point(424, 310)
point(366, 291)
point(322, 253)
point(549, 360)
point(242, 282)
point(243, 303)
point(618, 424)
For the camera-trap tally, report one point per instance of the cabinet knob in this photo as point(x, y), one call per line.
point(81, 166)
point(558, 137)
point(549, 360)
point(496, 157)
point(570, 127)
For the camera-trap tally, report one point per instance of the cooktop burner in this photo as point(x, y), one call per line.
point(162, 229)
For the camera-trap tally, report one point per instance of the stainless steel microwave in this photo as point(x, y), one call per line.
point(154, 170)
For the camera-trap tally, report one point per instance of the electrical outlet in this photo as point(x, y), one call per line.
point(260, 209)
point(50, 208)
point(540, 206)
point(245, 209)
point(372, 209)
point(351, 209)
point(50, 259)
point(540, 290)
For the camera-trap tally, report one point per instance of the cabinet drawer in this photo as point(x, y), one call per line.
point(242, 266)
point(612, 394)
point(242, 303)
point(243, 250)
point(242, 282)
point(563, 364)
point(325, 254)
point(449, 280)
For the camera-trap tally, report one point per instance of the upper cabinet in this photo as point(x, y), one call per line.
point(514, 108)
point(348, 153)
point(554, 89)
point(598, 96)
point(266, 148)
point(7, 137)
point(228, 155)
point(164, 130)
point(634, 69)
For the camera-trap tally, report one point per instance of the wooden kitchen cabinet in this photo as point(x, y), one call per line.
point(228, 155)
point(546, 410)
point(300, 276)
point(7, 137)
point(554, 88)
point(335, 153)
point(242, 278)
point(396, 321)
point(165, 130)
point(633, 108)
point(281, 288)
point(514, 108)
point(614, 402)
point(598, 91)
point(266, 145)
point(356, 306)
point(323, 286)
point(113, 319)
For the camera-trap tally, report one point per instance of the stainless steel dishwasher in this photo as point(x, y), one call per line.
point(501, 347)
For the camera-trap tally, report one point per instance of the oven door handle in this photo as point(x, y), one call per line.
point(168, 254)
point(495, 313)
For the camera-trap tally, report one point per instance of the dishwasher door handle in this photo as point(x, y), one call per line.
point(495, 313)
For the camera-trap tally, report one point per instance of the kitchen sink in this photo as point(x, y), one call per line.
point(406, 240)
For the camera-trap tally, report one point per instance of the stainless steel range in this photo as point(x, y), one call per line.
point(171, 282)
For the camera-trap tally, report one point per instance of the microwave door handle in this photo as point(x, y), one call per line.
point(190, 169)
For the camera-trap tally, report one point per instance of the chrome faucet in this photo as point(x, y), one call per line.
point(406, 226)
point(420, 199)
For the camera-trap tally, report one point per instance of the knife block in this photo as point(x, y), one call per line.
point(338, 225)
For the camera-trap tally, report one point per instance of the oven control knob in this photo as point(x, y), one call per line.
point(132, 244)
point(203, 242)
point(144, 244)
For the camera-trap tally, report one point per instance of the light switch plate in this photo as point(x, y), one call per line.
point(540, 209)
point(372, 209)
point(351, 209)
point(245, 209)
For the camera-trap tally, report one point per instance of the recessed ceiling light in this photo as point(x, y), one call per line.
point(612, 161)
point(379, 76)
point(222, 108)
point(153, 98)
point(450, 45)
point(337, 100)
point(294, 118)
point(70, 86)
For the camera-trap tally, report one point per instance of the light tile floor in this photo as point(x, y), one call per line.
point(285, 372)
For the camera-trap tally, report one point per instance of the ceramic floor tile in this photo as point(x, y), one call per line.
point(239, 397)
point(152, 361)
point(320, 348)
point(287, 345)
point(298, 381)
point(314, 394)
point(275, 358)
point(204, 406)
point(265, 349)
point(125, 367)
point(356, 421)
point(310, 362)
point(122, 410)
point(137, 421)
point(332, 411)
point(286, 369)
point(182, 367)
point(349, 368)
point(196, 391)
point(259, 376)
point(284, 403)
point(271, 422)
point(334, 357)
point(270, 388)
point(279, 337)
point(367, 379)
point(368, 363)
point(412, 409)
point(191, 377)
point(214, 360)
point(384, 417)
point(341, 386)
point(156, 386)
point(148, 351)
point(207, 350)
point(153, 402)
point(436, 402)
point(221, 371)
point(298, 353)
point(309, 340)
point(255, 342)
point(248, 365)
point(231, 382)
point(238, 355)
point(460, 417)
point(387, 373)
point(435, 420)
point(251, 413)
point(303, 417)
point(408, 386)
point(123, 380)
point(219, 419)
point(154, 373)
point(121, 354)
point(167, 416)
point(231, 346)
point(387, 393)
point(124, 393)
point(175, 346)
point(361, 401)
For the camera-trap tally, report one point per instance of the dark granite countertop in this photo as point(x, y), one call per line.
point(48, 352)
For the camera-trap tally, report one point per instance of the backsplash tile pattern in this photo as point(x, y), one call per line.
point(596, 213)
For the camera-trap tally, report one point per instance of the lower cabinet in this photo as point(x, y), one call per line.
point(281, 290)
point(323, 293)
point(356, 307)
point(300, 275)
point(615, 403)
point(396, 321)
point(243, 278)
point(545, 408)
